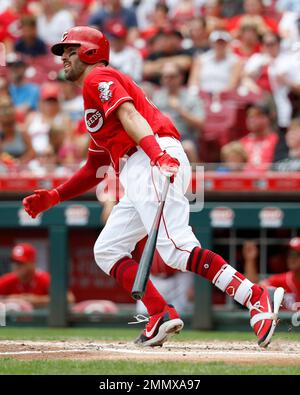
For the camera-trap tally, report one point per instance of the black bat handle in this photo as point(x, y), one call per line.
point(143, 272)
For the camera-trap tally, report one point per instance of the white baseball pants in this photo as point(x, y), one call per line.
point(131, 219)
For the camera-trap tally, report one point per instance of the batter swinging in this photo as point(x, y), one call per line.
point(122, 123)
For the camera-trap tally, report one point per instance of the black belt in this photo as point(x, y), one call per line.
point(130, 152)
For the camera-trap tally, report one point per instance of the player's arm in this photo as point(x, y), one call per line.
point(141, 132)
point(83, 180)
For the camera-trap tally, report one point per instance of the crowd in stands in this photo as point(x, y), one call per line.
point(225, 71)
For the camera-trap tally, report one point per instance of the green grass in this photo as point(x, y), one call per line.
point(9, 366)
point(98, 367)
point(126, 334)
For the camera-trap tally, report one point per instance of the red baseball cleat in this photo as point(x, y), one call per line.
point(264, 314)
point(159, 327)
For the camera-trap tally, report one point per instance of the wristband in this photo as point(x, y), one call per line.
point(55, 197)
point(151, 147)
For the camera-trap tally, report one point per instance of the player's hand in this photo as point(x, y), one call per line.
point(167, 165)
point(40, 201)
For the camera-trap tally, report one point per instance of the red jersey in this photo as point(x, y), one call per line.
point(260, 150)
point(289, 283)
point(10, 284)
point(104, 90)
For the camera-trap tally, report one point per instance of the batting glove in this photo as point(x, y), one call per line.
point(167, 165)
point(40, 201)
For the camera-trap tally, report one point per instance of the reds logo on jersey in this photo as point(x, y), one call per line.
point(105, 92)
point(93, 120)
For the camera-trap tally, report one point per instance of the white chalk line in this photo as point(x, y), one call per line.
point(200, 353)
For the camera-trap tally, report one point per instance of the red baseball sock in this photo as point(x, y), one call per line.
point(212, 266)
point(124, 272)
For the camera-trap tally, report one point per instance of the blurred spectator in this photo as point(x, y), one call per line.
point(254, 10)
point(261, 141)
point(29, 43)
point(233, 156)
point(12, 142)
point(217, 70)
point(213, 15)
point(185, 110)
point(159, 20)
point(288, 5)
point(25, 95)
point(199, 36)
point(72, 100)
point(290, 281)
point(53, 21)
point(166, 46)
point(26, 283)
point(10, 22)
point(122, 56)
point(112, 11)
point(183, 12)
point(39, 123)
point(276, 72)
point(4, 89)
point(64, 147)
point(144, 10)
point(292, 137)
point(248, 40)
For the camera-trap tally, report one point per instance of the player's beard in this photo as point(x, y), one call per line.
point(73, 73)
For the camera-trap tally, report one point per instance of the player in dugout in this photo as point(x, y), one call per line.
point(25, 283)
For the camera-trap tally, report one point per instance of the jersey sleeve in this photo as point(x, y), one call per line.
point(108, 92)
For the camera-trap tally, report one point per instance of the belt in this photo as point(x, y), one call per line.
point(130, 152)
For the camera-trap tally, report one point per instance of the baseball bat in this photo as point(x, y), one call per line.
point(143, 272)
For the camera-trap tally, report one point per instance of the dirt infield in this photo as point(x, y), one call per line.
point(280, 352)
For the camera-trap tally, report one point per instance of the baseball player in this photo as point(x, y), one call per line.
point(123, 124)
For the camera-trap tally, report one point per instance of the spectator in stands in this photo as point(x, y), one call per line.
point(292, 137)
point(217, 70)
point(112, 11)
point(4, 89)
point(248, 40)
point(261, 141)
point(213, 15)
point(53, 21)
point(290, 281)
point(122, 56)
point(25, 95)
point(39, 123)
point(26, 283)
point(233, 156)
point(13, 143)
point(185, 110)
point(9, 22)
point(276, 72)
point(64, 146)
point(72, 100)
point(199, 36)
point(253, 10)
point(166, 47)
point(29, 43)
point(159, 21)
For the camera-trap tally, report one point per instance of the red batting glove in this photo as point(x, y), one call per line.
point(40, 201)
point(167, 165)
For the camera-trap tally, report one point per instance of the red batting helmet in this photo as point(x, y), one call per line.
point(294, 244)
point(93, 45)
point(23, 253)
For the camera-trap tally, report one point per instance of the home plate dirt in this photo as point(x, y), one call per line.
point(280, 352)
